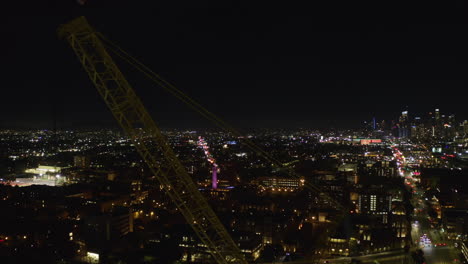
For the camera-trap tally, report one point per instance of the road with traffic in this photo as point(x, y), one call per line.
point(426, 235)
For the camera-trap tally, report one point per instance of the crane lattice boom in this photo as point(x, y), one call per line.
point(132, 116)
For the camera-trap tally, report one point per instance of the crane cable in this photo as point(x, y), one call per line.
point(181, 95)
point(213, 118)
point(199, 108)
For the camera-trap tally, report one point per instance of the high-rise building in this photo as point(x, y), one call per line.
point(404, 127)
point(383, 125)
point(449, 127)
point(417, 128)
point(437, 115)
point(438, 124)
point(375, 203)
point(404, 117)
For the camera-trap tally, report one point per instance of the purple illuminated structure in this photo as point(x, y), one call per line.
point(214, 179)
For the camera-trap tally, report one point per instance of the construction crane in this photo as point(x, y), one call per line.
point(150, 143)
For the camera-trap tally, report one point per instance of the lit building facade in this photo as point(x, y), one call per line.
point(375, 204)
point(281, 184)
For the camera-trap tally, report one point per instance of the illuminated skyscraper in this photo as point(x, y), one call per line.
point(375, 203)
point(417, 128)
point(403, 131)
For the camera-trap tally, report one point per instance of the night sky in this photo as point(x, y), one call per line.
point(269, 65)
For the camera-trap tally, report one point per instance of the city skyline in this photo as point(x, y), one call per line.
point(230, 133)
point(275, 68)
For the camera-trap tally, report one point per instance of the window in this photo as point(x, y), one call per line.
point(373, 201)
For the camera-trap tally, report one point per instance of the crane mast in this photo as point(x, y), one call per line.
point(150, 143)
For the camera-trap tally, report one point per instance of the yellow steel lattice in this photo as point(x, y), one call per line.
point(132, 116)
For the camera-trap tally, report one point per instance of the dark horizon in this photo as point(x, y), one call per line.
point(253, 67)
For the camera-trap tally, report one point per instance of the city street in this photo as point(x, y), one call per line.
point(441, 255)
point(382, 258)
point(437, 250)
